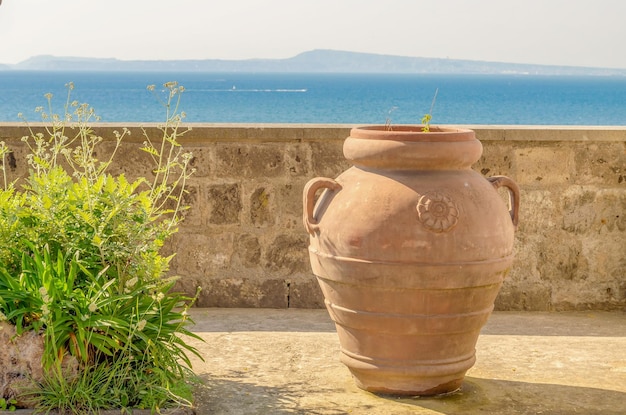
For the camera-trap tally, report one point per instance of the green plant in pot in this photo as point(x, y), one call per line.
point(80, 265)
point(410, 247)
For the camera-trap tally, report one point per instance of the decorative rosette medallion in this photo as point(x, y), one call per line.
point(437, 212)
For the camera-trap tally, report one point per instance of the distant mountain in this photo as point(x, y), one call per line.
point(329, 61)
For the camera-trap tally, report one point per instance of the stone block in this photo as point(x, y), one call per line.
point(244, 292)
point(225, 205)
point(297, 160)
point(194, 214)
point(591, 209)
point(16, 162)
point(598, 296)
point(497, 160)
point(203, 160)
point(543, 165)
point(327, 159)
point(539, 211)
point(289, 198)
point(305, 293)
point(526, 259)
point(201, 255)
point(247, 251)
point(129, 160)
point(20, 364)
point(563, 261)
point(525, 297)
point(601, 163)
point(20, 361)
point(287, 254)
point(261, 207)
point(610, 206)
point(249, 160)
point(606, 256)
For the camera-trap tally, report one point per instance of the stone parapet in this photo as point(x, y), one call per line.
point(243, 241)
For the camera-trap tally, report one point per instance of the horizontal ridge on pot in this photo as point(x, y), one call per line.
point(409, 324)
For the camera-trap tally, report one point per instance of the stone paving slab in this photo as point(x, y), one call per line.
point(263, 361)
point(266, 361)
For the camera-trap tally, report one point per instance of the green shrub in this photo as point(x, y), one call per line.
point(80, 263)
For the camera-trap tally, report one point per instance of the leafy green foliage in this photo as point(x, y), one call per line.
point(118, 384)
point(7, 404)
point(80, 263)
point(429, 116)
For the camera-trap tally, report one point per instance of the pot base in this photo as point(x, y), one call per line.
point(407, 388)
point(407, 380)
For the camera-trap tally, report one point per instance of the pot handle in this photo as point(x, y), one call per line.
point(310, 189)
point(514, 195)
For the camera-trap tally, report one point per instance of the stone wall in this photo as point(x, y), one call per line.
point(243, 241)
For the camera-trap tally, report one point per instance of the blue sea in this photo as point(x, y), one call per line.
point(327, 98)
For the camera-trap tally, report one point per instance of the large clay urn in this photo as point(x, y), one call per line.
point(410, 247)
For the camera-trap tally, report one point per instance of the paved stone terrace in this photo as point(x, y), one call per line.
point(266, 361)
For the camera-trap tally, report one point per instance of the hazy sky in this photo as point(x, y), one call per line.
point(555, 32)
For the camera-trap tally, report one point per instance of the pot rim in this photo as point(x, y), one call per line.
point(409, 132)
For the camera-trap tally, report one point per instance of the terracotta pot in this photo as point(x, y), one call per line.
point(410, 247)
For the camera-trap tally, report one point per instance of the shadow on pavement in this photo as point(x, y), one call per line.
point(492, 396)
point(232, 396)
